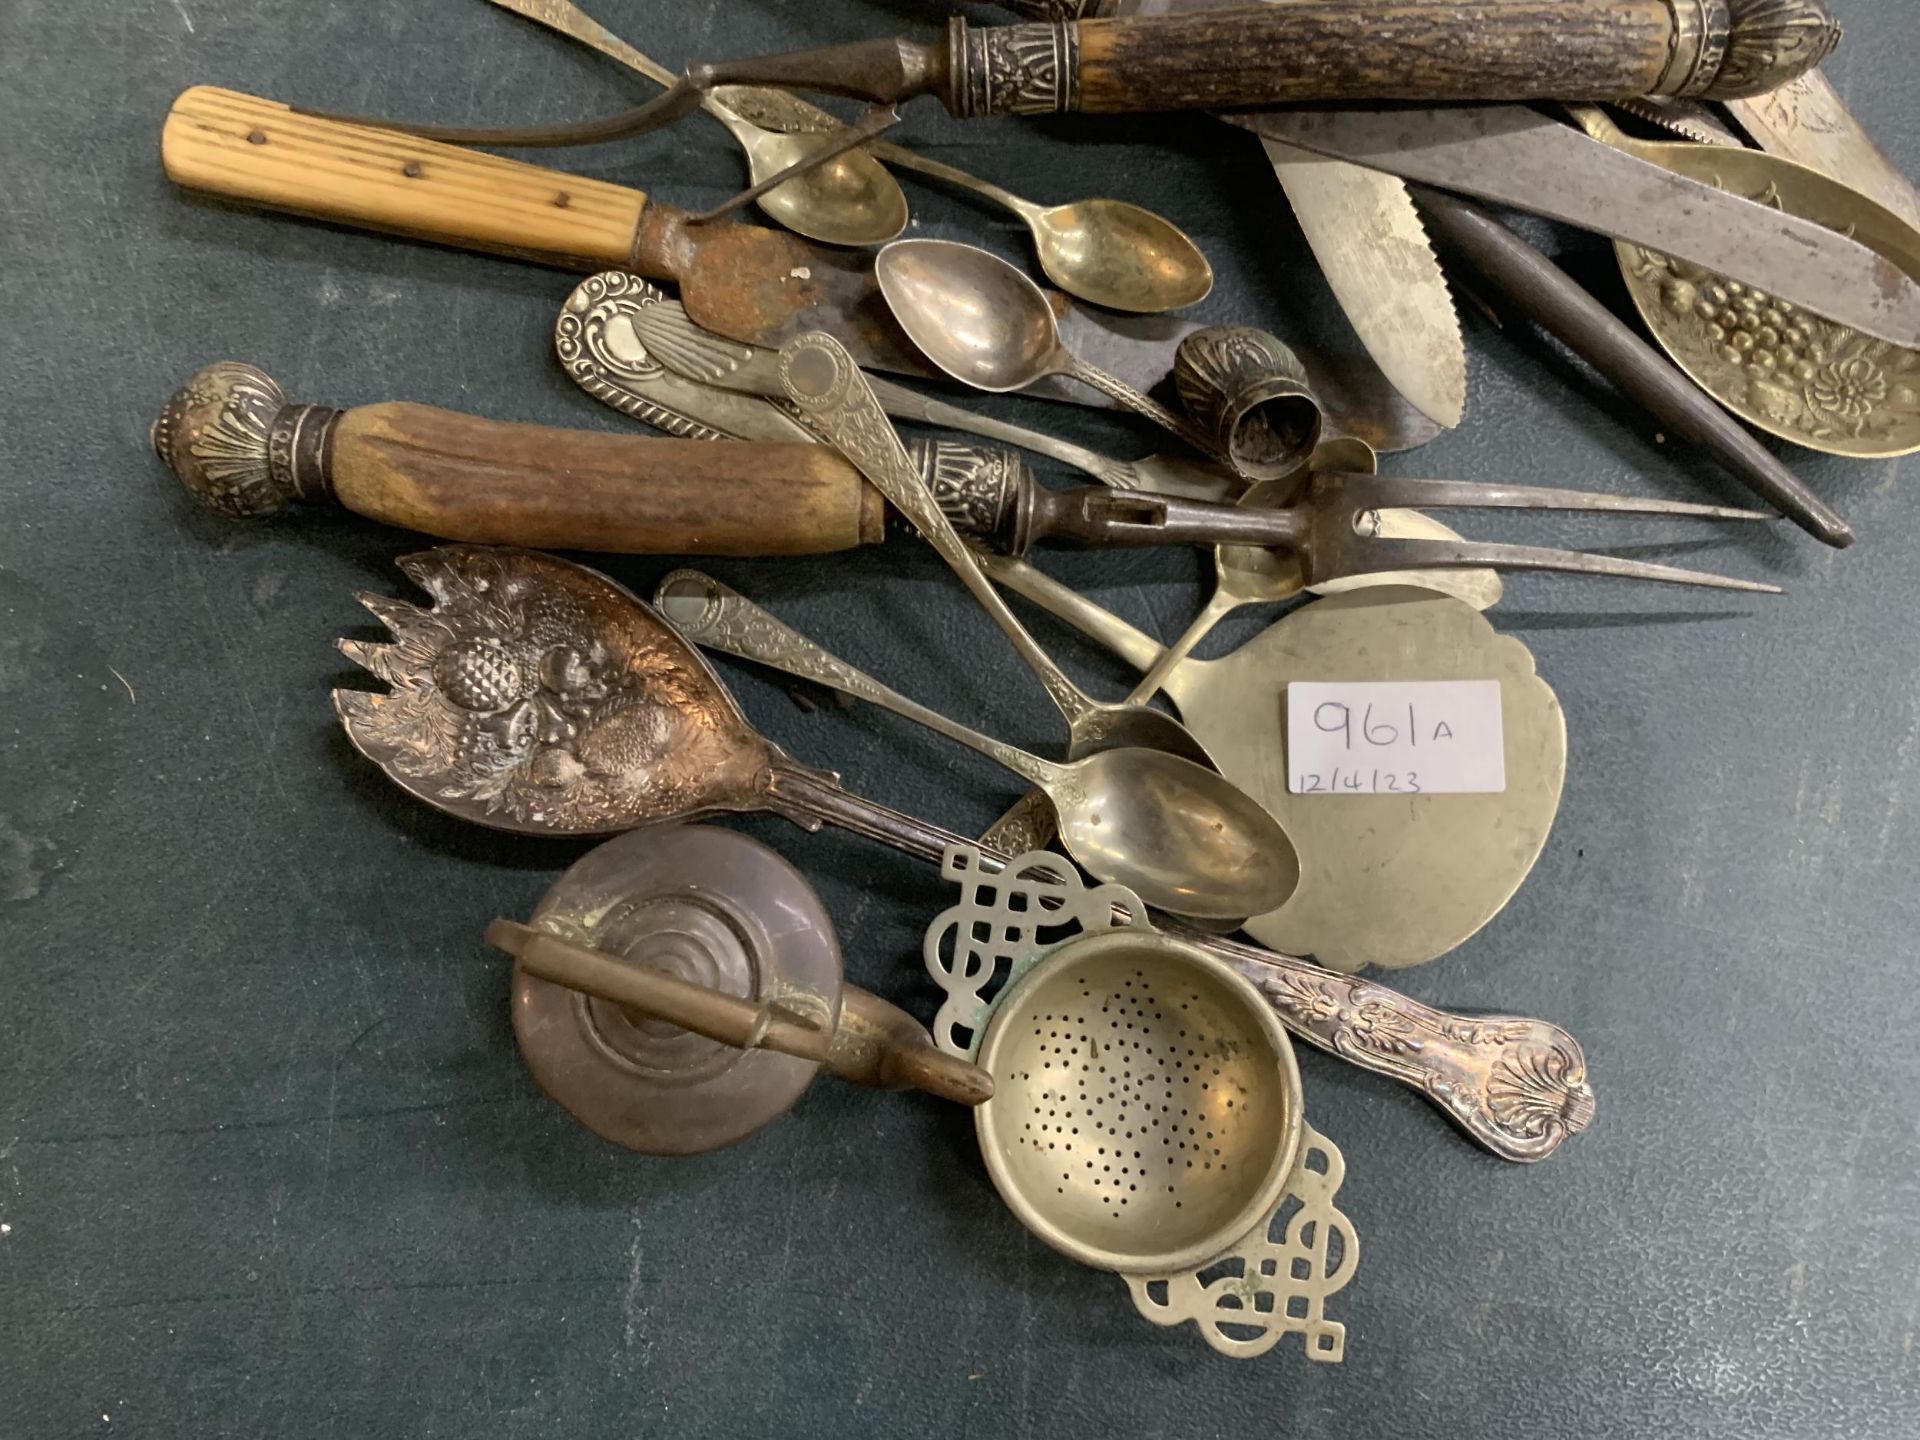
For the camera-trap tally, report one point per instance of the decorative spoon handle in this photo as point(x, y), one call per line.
point(720, 618)
point(833, 399)
point(1517, 1087)
point(1117, 390)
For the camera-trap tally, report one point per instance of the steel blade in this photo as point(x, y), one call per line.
point(1373, 249)
point(1521, 158)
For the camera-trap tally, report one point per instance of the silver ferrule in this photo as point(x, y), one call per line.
point(1699, 48)
point(1012, 69)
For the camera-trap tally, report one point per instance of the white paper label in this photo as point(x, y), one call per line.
point(1408, 737)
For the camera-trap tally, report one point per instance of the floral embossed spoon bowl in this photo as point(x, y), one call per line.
point(1786, 371)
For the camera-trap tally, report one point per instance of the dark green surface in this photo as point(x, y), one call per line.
point(269, 1165)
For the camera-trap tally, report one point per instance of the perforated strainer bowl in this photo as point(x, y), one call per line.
point(1146, 1110)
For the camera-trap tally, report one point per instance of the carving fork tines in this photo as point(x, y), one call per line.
point(1340, 542)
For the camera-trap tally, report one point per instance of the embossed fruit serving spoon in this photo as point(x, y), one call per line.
point(1793, 374)
point(537, 696)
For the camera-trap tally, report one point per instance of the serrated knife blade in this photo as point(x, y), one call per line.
point(1521, 158)
point(1372, 246)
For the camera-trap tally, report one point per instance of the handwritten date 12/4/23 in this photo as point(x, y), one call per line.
point(1360, 782)
point(1410, 737)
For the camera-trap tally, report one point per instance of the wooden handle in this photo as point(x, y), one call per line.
point(1316, 51)
point(263, 153)
point(1547, 295)
point(242, 449)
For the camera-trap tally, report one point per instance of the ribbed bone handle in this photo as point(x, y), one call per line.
point(1316, 51)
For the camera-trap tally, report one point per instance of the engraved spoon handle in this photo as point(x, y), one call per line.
point(1116, 389)
point(832, 398)
point(720, 618)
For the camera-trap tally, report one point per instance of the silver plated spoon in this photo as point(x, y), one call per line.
point(987, 325)
point(1120, 812)
point(850, 200)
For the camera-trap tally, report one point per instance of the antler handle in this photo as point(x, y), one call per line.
point(1306, 51)
point(243, 449)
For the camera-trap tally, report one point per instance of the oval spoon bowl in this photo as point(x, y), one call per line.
point(851, 200)
point(1168, 829)
point(971, 314)
point(1121, 256)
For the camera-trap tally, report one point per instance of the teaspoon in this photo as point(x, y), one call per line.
point(1141, 818)
point(849, 200)
point(1106, 252)
point(1234, 849)
point(987, 325)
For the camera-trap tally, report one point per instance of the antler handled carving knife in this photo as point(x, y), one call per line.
point(1278, 53)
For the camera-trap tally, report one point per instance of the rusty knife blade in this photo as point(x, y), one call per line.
point(1806, 120)
point(1373, 248)
point(1521, 158)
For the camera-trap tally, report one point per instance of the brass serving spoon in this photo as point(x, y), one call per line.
point(538, 697)
point(848, 200)
point(1783, 370)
